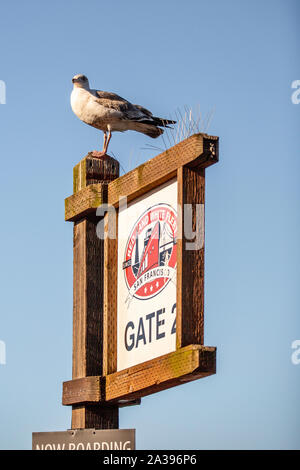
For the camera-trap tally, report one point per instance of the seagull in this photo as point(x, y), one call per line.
point(109, 112)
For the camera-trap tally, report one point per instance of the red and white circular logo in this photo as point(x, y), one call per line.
point(151, 252)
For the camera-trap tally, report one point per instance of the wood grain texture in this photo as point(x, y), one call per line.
point(90, 181)
point(110, 296)
point(89, 390)
point(184, 365)
point(95, 416)
point(88, 350)
point(94, 170)
point(190, 263)
point(84, 390)
point(199, 150)
point(88, 301)
point(85, 202)
point(128, 386)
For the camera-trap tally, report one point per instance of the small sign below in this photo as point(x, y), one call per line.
point(85, 439)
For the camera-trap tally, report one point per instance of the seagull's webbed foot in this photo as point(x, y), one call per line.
point(96, 154)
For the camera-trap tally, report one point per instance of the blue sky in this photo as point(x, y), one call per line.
point(237, 57)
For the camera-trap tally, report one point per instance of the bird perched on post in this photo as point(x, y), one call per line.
point(109, 112)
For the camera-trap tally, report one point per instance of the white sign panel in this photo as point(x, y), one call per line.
point(147, 260)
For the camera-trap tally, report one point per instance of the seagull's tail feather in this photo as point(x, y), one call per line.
point(153, 132)
point(149, 126)
point(156, 121)
point(149, 129)
point(162, 122)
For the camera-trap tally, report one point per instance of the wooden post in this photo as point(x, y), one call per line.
point(190, 271)
point(88, 294)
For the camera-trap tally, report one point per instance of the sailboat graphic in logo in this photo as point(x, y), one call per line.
point(151, 253)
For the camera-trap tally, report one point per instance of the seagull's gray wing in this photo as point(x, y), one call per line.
point(143, 110)
point(129, 111)
point(132, 112)
point(116, 102)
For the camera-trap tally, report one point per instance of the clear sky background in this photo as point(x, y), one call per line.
point(238, 57)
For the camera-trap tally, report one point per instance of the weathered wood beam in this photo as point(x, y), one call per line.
point(110, 280)
point(83, 390)
point(89, 390)
point(184, 365)
point(199, 150)
point(190, 257)
point(84, 202)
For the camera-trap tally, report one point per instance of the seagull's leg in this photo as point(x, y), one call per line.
point(105, 145)
point(104, 142)
point(107, 140)
point(103, 151)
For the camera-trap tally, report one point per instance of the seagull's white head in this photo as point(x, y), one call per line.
point(80, 81)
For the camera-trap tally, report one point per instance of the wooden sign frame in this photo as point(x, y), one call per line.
point(186, 162)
